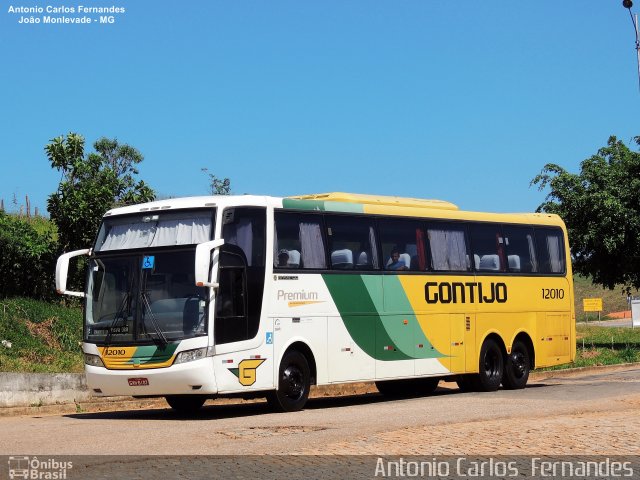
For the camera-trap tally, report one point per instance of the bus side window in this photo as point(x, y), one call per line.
point(298, 241)
point(550, 249)
point(487, 242)
point(352, 243)
point(407, 237)
point(521, 252)
point(448, 247)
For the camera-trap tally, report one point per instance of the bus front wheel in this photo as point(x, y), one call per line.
point(491, 367)
point(518, 365)
point(294, 382)
point(185, 404)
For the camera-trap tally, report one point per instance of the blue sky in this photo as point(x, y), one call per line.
point(463, 101)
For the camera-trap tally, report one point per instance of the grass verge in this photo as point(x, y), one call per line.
point(38, 336)
point(597, 345)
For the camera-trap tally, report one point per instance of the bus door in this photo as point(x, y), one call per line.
point(244, 356)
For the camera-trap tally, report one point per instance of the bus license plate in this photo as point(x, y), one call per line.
point(138, 382)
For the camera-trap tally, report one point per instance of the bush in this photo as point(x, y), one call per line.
point(27, 259)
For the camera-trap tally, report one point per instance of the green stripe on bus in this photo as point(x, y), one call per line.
point(149, 354)
point(359, 299)
point(322, 206)
point(408, 336)
point(354, 300)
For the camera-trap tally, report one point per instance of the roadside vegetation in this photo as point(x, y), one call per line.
point(605, 346)
point(612, 300)
point(38, 336)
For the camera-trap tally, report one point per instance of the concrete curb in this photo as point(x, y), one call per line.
point(20, 389)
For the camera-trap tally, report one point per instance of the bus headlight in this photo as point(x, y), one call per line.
point(190, 355)
point(93, 360)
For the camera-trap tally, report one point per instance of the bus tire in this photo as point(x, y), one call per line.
point(185, 404)
point(517, 367)
point(491, 367)
point(294, 382)
point(466, 383)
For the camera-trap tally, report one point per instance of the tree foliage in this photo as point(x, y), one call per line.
point(601, 208)
point(217, 186)
point(27, 259)
point(91, 184)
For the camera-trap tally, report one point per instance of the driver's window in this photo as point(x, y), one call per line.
point(231, 323)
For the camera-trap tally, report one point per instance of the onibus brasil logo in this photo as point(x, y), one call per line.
point(246, 371)
point(34, 468)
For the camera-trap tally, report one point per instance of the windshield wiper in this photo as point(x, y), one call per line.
point(156, 327)
point(118, 316)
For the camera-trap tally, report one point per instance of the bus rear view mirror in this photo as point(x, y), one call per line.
point(62, 271)
point(203, 262)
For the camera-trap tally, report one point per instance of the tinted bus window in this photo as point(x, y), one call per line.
point(521, 251)
point(487, 244)
point(448, 247)
point(403, 244)
point(550, 250)
point(245, 227)
point(298, 241)
point(352, 243)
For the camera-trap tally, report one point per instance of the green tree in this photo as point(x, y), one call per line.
point(601, 208)
point(91, 184)
point(217, 186)
point(27, 258)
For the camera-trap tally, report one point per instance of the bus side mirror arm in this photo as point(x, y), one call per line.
point(62, 270)
point(203, 262)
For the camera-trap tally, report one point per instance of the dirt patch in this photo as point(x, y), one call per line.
point(260, 432)
point(34, 357)
point(589, 353)
point(44, 330)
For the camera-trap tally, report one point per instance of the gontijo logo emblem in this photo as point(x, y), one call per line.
point(246, 371)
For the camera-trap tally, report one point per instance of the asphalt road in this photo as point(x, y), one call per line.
point(584, 413)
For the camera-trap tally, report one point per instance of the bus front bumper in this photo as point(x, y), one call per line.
point(195, 377)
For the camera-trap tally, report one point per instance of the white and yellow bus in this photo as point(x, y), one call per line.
point(254, 296)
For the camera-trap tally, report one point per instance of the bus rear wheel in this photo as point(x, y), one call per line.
point(518, 365)
point(491, 367)
point(294, 382)
point(466, 383)
point(185, 404)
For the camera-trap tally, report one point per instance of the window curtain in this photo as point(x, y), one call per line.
point(275, 247)
point(374, 248)
point(241, 234)
point(184, 231)
point(532, 253)
point(448, 250)
point(312, 245)
point(553, 245)
point(132, 235)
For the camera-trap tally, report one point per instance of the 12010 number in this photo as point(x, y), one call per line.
point(553, 293)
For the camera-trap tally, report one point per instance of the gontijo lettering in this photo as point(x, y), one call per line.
point(465, 292)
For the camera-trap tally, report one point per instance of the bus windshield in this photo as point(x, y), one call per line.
point(144, 298)
point(141, 284)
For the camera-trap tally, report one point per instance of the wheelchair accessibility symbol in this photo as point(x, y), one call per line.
point(148, 262)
